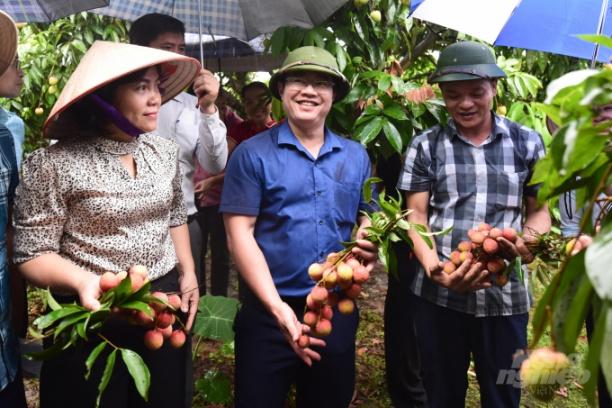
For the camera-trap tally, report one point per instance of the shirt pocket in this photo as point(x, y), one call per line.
point(509, 188)
point(346, 200)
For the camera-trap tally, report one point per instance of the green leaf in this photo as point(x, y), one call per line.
point(598, 259)
point(601, 39)
point(384, 83)
point(566, 292)
point(51, 302)
point(393, 136)
point(606, 350)
point(370, 131)
point(593, 356)
point(540, 315)
point(395, 111)
point(214, 387)
point(93, 356)
point(50, 318)
point(216, 317)
point(139, 372)
point(383, 254)
point(108, 371)
point(367, 188)
point(138, 305)
point(69, 321)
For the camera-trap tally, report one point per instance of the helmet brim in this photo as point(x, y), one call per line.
point(341, 85)
point(466, 73)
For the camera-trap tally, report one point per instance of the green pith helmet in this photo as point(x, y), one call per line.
point(313, 59)
point(465, 61)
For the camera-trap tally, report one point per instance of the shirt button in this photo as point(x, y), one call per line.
point(318, 193)
point(320, 222)
point(321, 254)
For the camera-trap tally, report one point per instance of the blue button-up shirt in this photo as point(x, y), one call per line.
point(305, 207)
point(9, 355)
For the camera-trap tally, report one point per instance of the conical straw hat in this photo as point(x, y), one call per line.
point(107, 61)
point(8, 41)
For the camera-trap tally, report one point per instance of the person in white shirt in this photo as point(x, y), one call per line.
point(191, 121)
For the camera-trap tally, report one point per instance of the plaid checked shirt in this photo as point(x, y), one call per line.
point(9, 354)
point(469, 185)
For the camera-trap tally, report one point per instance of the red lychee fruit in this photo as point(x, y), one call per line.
point(510, 234)
point(455, 257)
point(319, 294)
point(496, 265)
point(177, 338)
point(164, 319)
point(303, 341)
point(353, 291)
point(327, 312)
point(153, 339)
point(315, 271)
point(323, 327)
point(495, 233)
point(490, 246)
point(310, 318)
point(346, 306)
point(174, 301)
point(449, 267)
point(345, 272)
point(158, 307)
point(464, 246)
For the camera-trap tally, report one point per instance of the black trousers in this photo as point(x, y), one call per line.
point(13, 395)
point(402, 361)
point(62, 382)
point(266, 366)
point(213, 232)
point(447, 340)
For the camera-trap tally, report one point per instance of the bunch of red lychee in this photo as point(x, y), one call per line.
point(338, 282)
point(483, 247)
point(163, 306)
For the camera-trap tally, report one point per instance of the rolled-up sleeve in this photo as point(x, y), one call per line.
point(40, 209)
point(178, 211)
point(416, 173)
point(211, 146)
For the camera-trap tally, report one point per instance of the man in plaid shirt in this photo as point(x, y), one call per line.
point(474, 170)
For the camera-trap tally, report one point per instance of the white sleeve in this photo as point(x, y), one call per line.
point(211, 146)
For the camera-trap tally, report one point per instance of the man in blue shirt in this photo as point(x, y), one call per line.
point(291, 195)
point(11, 385)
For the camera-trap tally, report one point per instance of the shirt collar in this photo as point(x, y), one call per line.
point(116, 147)
point(286, 137)
point(499, 129)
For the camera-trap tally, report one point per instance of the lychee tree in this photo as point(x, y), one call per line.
point(579, 158)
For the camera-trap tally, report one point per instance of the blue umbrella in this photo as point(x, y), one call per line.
point(45, 11)
point(543, 25)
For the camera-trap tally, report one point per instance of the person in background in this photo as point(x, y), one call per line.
point(191, 121)
point(475, 169)
point(105, 197)
point(257, 102)
point(12, 393)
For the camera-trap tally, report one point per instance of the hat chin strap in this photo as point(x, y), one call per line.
point(111, 113)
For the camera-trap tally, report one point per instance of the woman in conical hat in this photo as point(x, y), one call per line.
point(105, 197)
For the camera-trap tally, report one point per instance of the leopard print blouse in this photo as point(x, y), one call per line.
point(76, 199)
